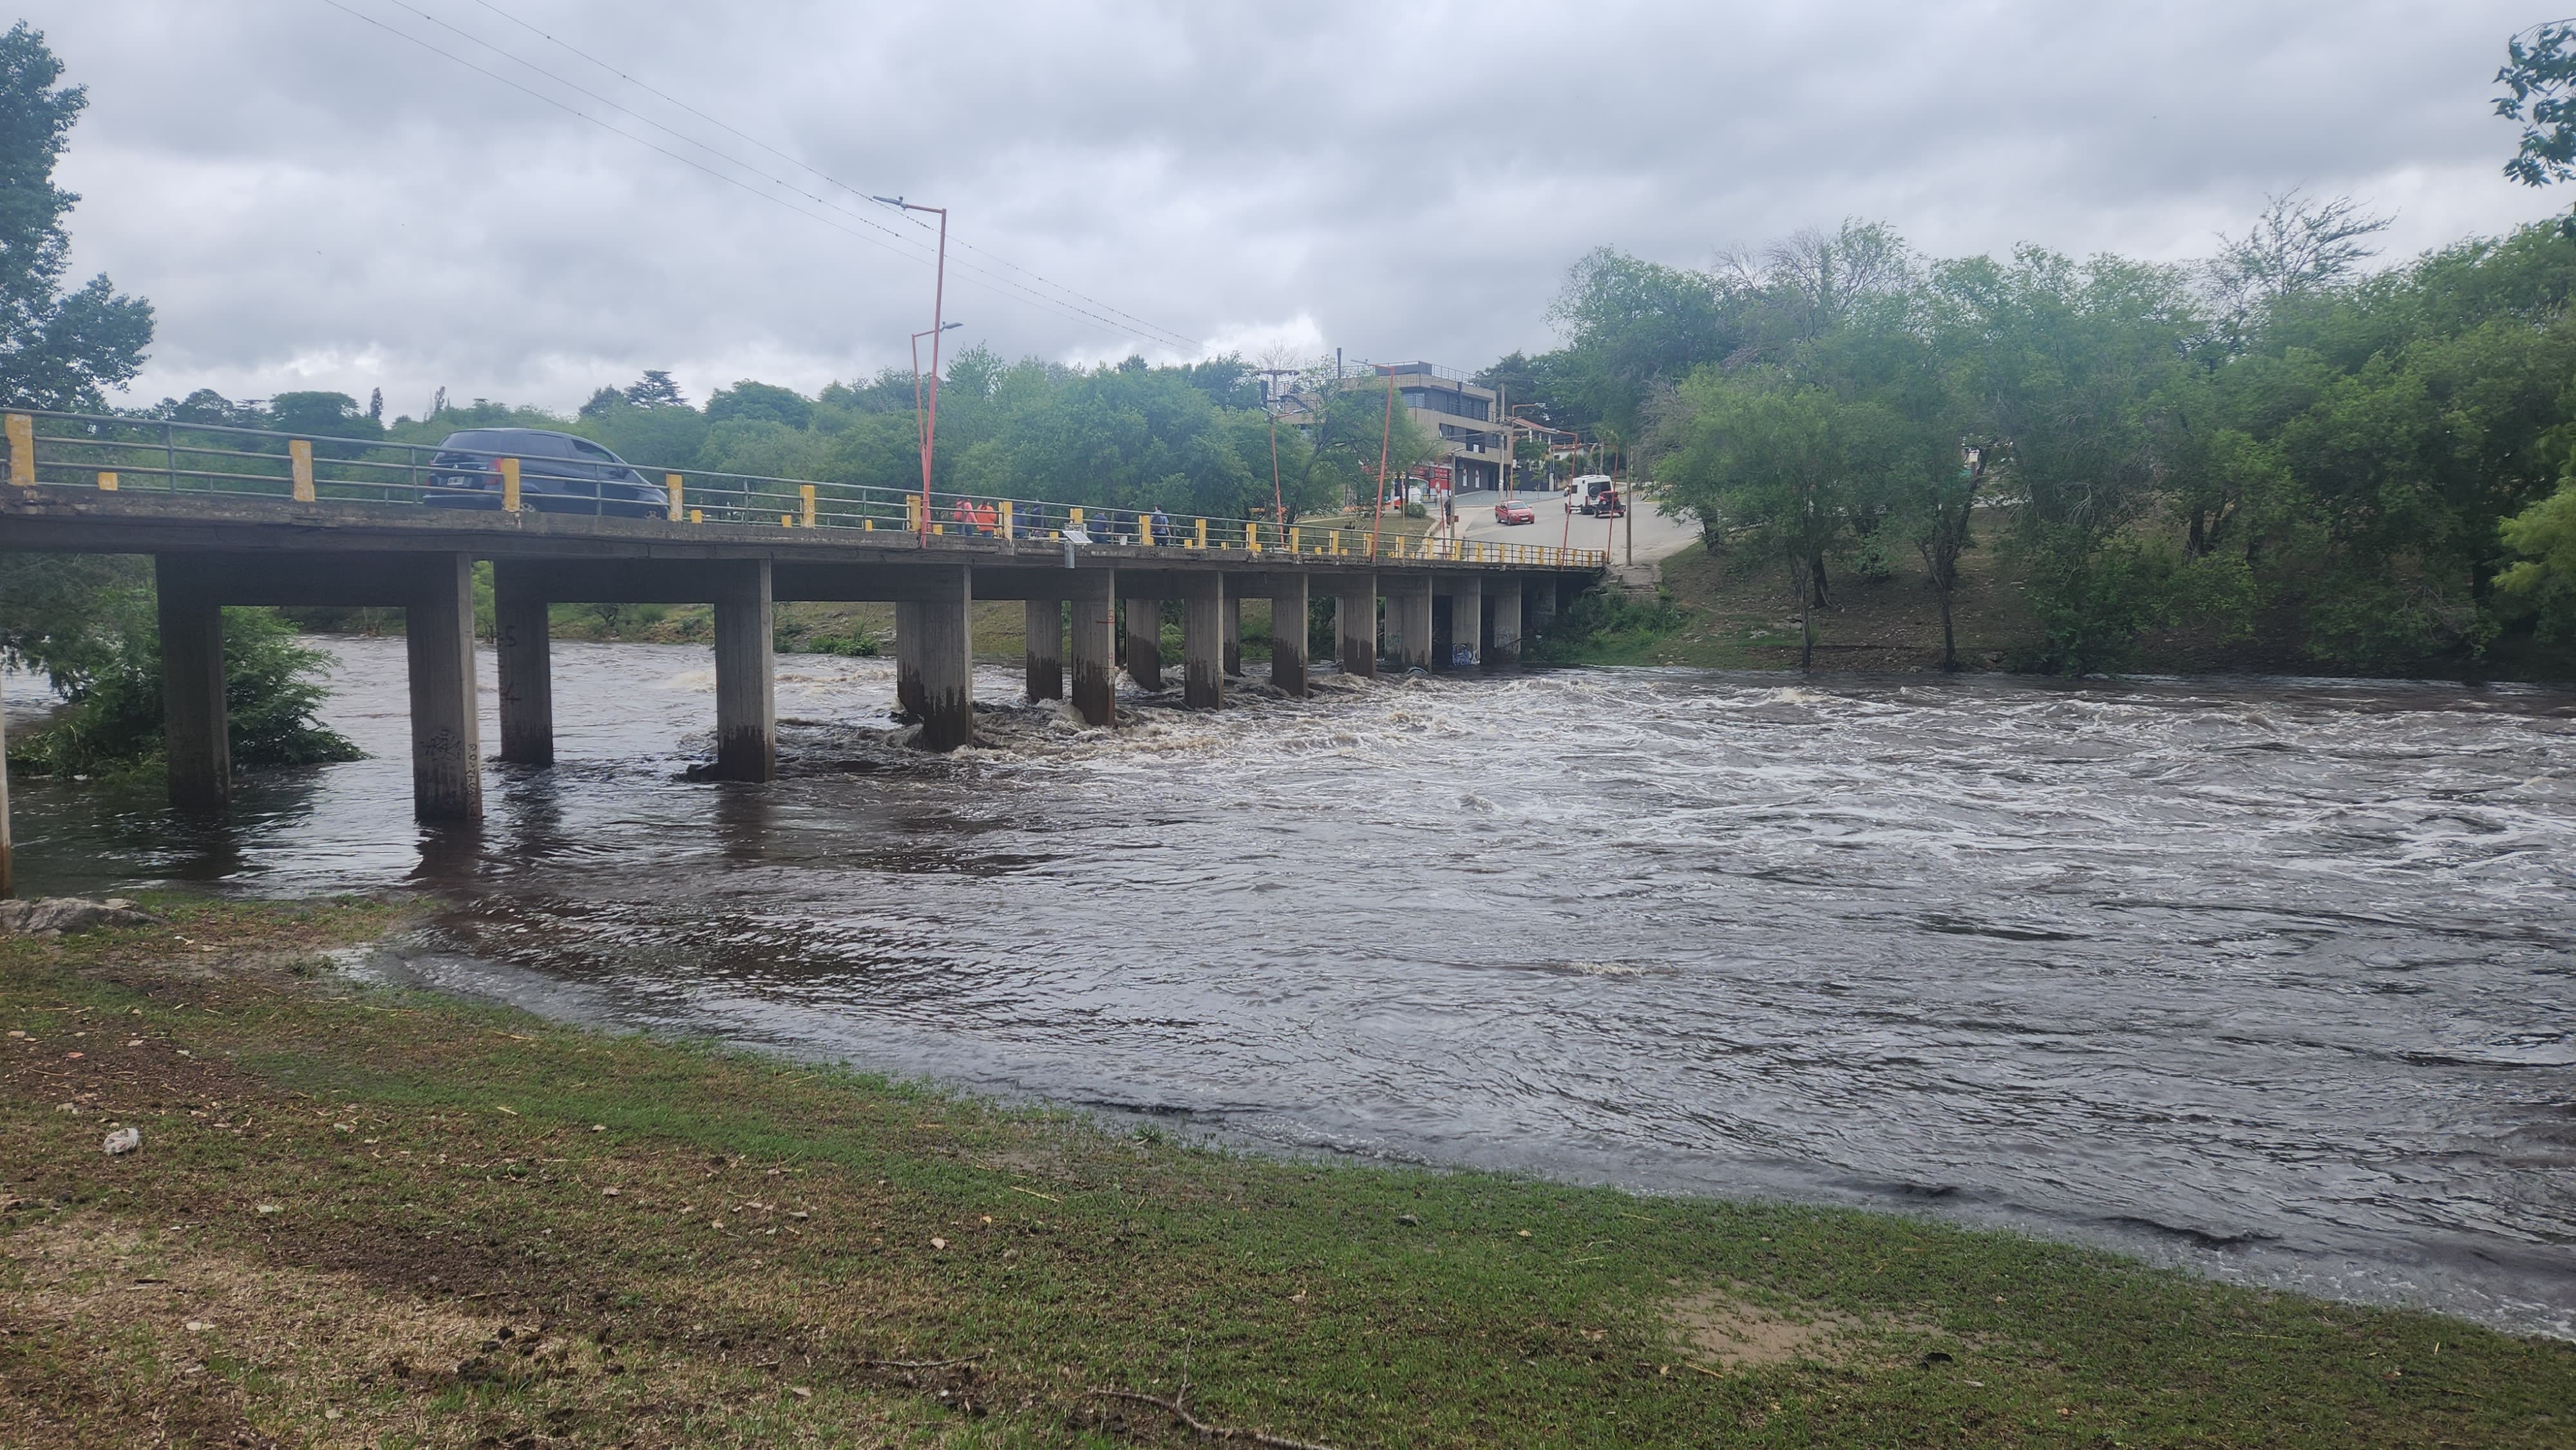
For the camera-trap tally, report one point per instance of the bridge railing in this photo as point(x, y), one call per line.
point(105, 452)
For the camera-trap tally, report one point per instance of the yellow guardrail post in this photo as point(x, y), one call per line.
point(22, 450)
point(697, 516)
point(299, 456)
point(805, 495)
point(509, 484)
point(1073, 517)
point(1292, 538)
point(1202, 543)
point(678, 490)
point(1009, 528)
point(106, 481)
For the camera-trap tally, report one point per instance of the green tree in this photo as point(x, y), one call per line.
point(2542, 581)
point(1786, 465)
point(57, 349)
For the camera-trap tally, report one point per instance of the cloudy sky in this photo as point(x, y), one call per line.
point(580, 189)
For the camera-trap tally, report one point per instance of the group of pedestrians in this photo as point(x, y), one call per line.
point(986, 519)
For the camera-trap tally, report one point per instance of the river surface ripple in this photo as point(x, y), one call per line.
point(2275, 980)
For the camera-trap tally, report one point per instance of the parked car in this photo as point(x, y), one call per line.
point(558, 473)
point(1513, 511)
point(1583, 495)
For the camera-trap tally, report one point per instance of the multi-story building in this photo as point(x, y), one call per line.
point(1467, 418)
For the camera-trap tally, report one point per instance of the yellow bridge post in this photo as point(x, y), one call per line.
point(106, 481)
point(672, 482)
point(299, 455)
point(509, 484)
point(805, 495)
point(22, 450)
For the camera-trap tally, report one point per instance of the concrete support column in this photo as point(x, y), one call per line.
point(1408, 619)
point(1145, 643)
point(1467, 616)
point(1503, 651)
point(446, 729)
point(1094, 627)
point(948, 664)
point(522, 646)
point(1355, 624)
point(1203, 640)
point(907, 659)
point(1288, 634)
point(193, 727)
point(1542, 605)
point(1232, 628)
point(746, 682)
point(1044, 624)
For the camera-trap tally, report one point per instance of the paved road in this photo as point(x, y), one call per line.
point(1657, 534)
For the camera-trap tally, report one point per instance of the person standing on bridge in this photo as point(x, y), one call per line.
point(1162, 527)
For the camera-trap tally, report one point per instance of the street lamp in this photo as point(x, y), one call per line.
point(938, 300)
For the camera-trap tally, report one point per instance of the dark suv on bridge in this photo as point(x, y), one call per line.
point(558, 473)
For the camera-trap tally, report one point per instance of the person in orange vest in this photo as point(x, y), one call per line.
point(988, 520)
point(962, 514)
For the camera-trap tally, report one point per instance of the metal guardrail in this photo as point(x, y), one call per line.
point(104, 452)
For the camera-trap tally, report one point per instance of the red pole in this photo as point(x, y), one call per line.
point(1278, 515)
point(1385, 440)
point(938, 302)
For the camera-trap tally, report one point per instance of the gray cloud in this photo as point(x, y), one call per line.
point(311, 201)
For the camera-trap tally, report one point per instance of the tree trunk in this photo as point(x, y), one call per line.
point(1816, 577)
point(1949, 643)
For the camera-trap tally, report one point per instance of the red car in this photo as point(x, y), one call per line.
point(1513, 511)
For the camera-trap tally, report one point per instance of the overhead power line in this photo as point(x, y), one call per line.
point(1118, 322)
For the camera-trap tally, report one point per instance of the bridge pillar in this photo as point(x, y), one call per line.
point(1355, 623)
point(1288, 634)
point(1145, 643)
point(193, 728)
point(1094, 627)
point(1233, 632)
point(1408, 619)
point(1505, 650)
point(1467, 619)
point(1044, 625)
point(1542, 604)
point(947, 663)
point(522, 645)
point(907, 659)
point(446, 729)
point(746, 682)
point(1203, 640)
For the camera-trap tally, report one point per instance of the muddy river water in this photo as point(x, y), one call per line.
point(2275, 980)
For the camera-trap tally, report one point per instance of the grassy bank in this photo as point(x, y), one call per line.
point(363, 1217)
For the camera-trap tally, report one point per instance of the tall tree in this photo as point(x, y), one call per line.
point(57, 349)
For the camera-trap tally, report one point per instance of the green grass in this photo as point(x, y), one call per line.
point(441, 1171)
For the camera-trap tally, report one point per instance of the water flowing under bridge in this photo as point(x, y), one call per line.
point(238, 516)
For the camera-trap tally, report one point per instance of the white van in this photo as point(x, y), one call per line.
point(1585, 493)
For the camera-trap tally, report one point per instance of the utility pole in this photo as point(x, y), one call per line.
point(1270, 405)
point(938, 302)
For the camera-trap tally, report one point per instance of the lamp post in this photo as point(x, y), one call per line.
point(938, 301)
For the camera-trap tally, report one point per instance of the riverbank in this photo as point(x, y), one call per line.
point(362, 1216)
point(1733, 613)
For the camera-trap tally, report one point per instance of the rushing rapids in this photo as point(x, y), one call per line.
point(2273, 979)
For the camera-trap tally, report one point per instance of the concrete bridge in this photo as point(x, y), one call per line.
point(212, 549)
